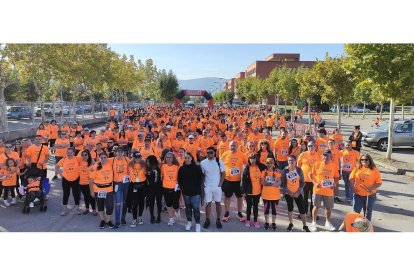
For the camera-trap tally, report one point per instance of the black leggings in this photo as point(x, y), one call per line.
point(308, 190)
point(6, 192)
point(252, 200)
point(299, 203)
point(84, 189)
point(138, 192)
point(154, 194)
point(270, 204)
point(66, 186)
point(107, 202)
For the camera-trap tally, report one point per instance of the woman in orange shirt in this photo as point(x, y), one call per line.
point(123, 140)
point(264, 151)
point(293, 182)
point(271, 179)
point(294, 148)
point(252, 187)
point(101, 188)
point(169, 178)
point(137, 190)
point(68, 168)
point(365, 181)
point(43, 133)
point(86, 162)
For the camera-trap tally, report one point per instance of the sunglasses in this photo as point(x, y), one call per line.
point(364, 159)
point(210, 152)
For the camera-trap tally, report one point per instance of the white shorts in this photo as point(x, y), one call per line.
point(212, 194)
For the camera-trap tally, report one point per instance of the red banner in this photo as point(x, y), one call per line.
point(194, 92)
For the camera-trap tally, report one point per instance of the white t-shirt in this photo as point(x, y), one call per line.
point(212, 172)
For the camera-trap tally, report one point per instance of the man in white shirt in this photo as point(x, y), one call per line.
point(214, 172)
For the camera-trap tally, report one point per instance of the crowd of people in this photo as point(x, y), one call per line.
point(173, 158)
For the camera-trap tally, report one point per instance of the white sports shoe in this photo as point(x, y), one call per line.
point(329, 226)
point(133, 223)
point(13, 202)
point(171, 222)
point(31, 205)
point(198, 227)
point(6, 202)
point(188, 226)
point(140, 221)
point(313, 227)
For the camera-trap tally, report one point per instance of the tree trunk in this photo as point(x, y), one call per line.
point(74, 106)
point(403, 113)
point(309, 112)
point(338, 121)
point(3, 110)
point(93, 106)
point(349, 111)
point(390, 130)
point(291, 112)
point(381, 111)
point(42, 112)
point(363, 112)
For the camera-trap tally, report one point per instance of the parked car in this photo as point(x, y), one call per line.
point(344, 108)
point(378, 137)
point(385, 108)
point(87, 108)
point(48, 109)
point(359, 109)
point(19, 112)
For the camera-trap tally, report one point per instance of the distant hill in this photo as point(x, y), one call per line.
point(212, 85)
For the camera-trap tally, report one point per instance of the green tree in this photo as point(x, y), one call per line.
point(167, 86)
point(149, 84)
point(309, 86)
point(220, 96)
point(245, 90)
point(336, 81)
point(286, 84)
point(390, 67)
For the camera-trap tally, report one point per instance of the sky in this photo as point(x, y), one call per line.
point(190, 61)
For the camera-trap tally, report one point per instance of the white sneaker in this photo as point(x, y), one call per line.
point(36, 200)
point(171, 222)
point(133, 223)
point(13, 202)
point(313, 227)
point(140, 221)
point(6, 202)
point(329, 226)
point(31, 205)
point(198, 228)
point(188, 226)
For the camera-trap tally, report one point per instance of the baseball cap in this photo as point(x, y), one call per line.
point(86, 129)
point(168, 126)
point(191, 137)
point(137, 155)
point(140, 134)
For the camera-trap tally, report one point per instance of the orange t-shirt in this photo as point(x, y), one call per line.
point(33, 152)
point(85, 173)
point(293, 181)
point(71, 169)
point(191, 148)
point(146, 152)
point(61, 152)
point(271, 192)
point(44, 133)
point(53, 132)
point(169, 176)
point(281, 147)
point(365, 178)
point(324, 175)
point(177, 144)
point(222, 147)
point(103, 176)
point(255, 175)
point(234, 163)
point(305, 161)
point(349, 160)
point(11, 178)
point(321, 144)
point(120, 168)
point(13, 155)
point(137, 173)
point(78, 143)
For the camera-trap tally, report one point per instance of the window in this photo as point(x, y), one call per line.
point(407, 128)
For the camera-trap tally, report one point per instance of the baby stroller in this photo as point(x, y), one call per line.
point(35, 189)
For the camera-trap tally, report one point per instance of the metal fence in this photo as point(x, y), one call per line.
point(21, 115)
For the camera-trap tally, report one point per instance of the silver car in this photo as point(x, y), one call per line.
point(403, 135)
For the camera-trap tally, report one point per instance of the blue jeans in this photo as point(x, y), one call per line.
point(360, 202)
point(192, 204)
point(348, 192)
point(120, 200)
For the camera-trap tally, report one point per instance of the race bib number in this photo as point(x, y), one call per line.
point(136, 179)
point(270, 180)
point(284, 152)
point(126, 179)
point(292, 176)
point(102, 194)
point(347, 166)
point(327, 183)
point(234, 171)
